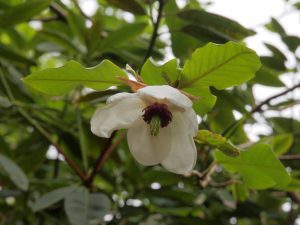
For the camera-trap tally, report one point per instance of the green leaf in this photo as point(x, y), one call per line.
point(51, 198)
point(22, 12)
point(83, 207)
point(60, 39)
point(293, 42)
point(182, 44)
point(205, 34)
point(15, 173)
point(217, 141)
point(284, 125)
point(267, 77)
point(275, 26)
point(154, 74)
point(258, 166)
point(273, 62)
point(224, 27)
point(294, 185)
point(205, 100)
point(59, 81)
point(240, 192)
point(220, 66)
point(280, 143)
point(14, 56)
point(128, 5)
point(123, 34)
point(276, 52)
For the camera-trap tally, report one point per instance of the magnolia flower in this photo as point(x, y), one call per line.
point(161, 125)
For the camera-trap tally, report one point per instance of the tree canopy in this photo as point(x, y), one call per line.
point(59, 64)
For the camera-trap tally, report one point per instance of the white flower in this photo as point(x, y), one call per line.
point(161, 125)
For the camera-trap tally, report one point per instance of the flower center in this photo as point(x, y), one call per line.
point(157, 116)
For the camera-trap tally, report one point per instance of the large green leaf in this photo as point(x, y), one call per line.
point(52, 197)
point(59, 81)
point(154, 74)
point(220, 66)
point(22, 12)
point(83, 207)
point(15, 173)
point(205, 34)
point(258, 166)
point(216, 24)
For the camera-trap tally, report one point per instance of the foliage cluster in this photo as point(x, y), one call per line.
point(57, 65)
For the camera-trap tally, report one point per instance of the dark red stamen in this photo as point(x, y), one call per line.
point(160, 110)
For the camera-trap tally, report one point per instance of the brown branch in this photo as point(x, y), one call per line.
point(109, 147)
point(289, 157)
point(223, 183)
point(258, 108)
point(155, 31)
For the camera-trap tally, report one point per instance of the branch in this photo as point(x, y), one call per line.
point(42, 131)
point(258, 108)
point(230, 130)
point(45, 19)
point(155, 31)
point(109, 147)
point(289, 157)
point(48, 137)
point(59, 11)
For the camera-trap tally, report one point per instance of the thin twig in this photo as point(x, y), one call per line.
point(258, 108)
point(230, 130)
point(42, 131)
point(224, 183)
point(290, 157)
point(155, 31)
point(59, 11)
point(45, 19)
point(207, 178)
point(103, 157)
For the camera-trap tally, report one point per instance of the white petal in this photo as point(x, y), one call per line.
point(120, 96)
point(116, 115)
point(167, 93)
point(183, 155)
point(192, 121)
point(146, 149)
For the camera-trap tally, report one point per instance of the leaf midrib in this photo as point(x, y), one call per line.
point(214, 68)
point(72, 80)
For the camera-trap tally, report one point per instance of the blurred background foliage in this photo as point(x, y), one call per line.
point(39, 186)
